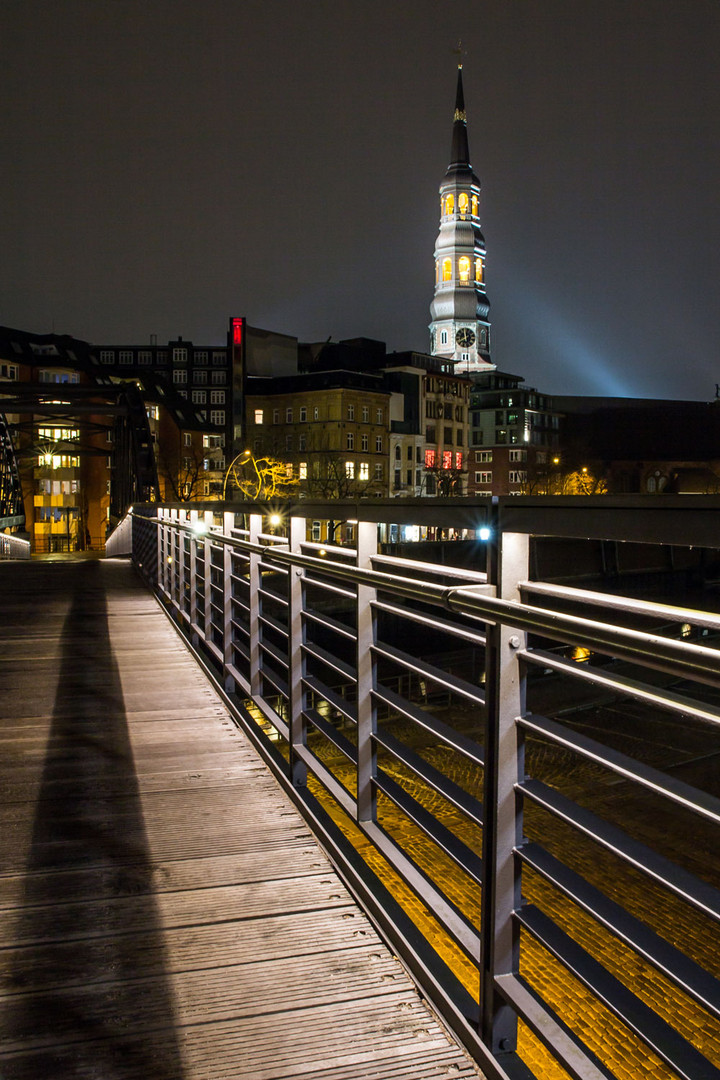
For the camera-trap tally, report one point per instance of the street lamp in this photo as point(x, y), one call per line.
point(239, 459)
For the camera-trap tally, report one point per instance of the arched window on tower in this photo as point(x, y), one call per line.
point(447, 270)
point(478, 269)
point(463, 202)
point(450, 204)
point(475, 205)
point(464, 268)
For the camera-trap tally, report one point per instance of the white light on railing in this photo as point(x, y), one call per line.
point(198, 526)
point(484, 533)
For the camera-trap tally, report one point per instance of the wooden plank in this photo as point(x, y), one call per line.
point(165, 911)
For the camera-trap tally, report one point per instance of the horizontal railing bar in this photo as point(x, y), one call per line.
point(666, 654)
point(333, 624)
point(275, 679)
point(477, 577)
point(434, 621)
point(274, 624)
point(238, 676)
point(662, 1039)
point(577, 1059)
point(309, 648)
point(242, 628)
point(627, 604)
point(335, 589)
point(271, 716)
point(436, 780)
point(441, 731)
point(346, 708)
point(332, 734)
point(667, 787)
point(443, 909)
point(331, 549)
point(273, 568)
point(692, 890)
point(440, 835)
point(664, 699)
point(429, 671)
point(674, 965)
point(340, 794)
point(276, 598)
point(269, 649)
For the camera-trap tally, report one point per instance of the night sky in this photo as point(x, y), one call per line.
point(169, 163)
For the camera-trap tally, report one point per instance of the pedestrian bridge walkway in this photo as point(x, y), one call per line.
point(165, 912)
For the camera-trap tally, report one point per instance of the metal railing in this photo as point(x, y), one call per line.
point(552, 881)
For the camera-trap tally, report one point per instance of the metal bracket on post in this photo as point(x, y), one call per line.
point(365, 668)
point(296, 660)
point(255, 605)
point(502, 816)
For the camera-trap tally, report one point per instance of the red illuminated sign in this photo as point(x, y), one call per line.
point(237, 331)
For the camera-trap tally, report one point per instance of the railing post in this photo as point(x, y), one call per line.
point(296, 661)
point(502, 815)
point(365, 668)
point(227, 592)
point(208, 518)
point(255, 605)
point(193, 541)
point(162, 562)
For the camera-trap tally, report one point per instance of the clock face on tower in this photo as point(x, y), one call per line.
point(465, 338)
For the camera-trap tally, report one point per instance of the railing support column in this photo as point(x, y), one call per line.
point(365, 667)
point(296, 661)
point(227, 628)
point(255, 605)
point(502, 820)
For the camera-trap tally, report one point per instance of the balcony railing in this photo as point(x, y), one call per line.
point(517, 777)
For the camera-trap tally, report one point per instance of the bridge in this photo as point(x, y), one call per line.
point(515, 778)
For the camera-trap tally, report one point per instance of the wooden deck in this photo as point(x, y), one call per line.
point(165, 913)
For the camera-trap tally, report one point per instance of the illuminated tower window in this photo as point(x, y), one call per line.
point(463, 202)
point(450, 204)
point(475, 205)
point(447, 270)
point(464, 268)
point(478, 270)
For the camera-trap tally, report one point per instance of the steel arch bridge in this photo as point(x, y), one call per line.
point(134, 475)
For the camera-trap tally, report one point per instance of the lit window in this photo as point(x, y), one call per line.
point(463, 202)
point(350, 470)
point(429, 459)
point(258, 416)
point(458, 460)
point(475, 205)
point(289, 470)
point(447, 270)
point(364, 471)
point(302, 470)
point(449, 204)
point(447, 459)
point(464, 268)
point(478, 269)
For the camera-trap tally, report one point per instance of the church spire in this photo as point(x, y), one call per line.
point(460, 310)
point(459, 153)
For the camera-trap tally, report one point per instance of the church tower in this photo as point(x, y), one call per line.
point(460, 311)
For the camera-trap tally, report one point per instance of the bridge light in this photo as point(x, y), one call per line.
point(275, 519)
